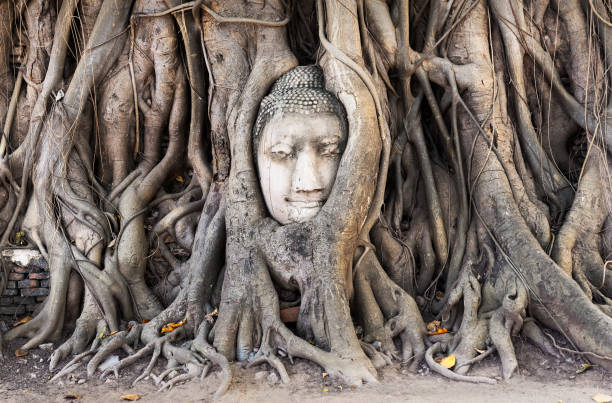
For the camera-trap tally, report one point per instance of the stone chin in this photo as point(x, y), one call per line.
point(302, 214)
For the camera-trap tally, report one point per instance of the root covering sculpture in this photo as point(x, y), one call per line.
point(191, 170)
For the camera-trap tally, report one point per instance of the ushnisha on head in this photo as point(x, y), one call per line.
point(298, 139)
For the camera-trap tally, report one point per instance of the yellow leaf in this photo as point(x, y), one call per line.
point(102, 333)
point(448, 362)
point(209, 317)
point(601, 398)
point(22, 321)
point(133, 397)
point(167, 329)
point(21, 353)
point(179, 324)
point(438, 331)
point(583, 368)
point(325, 374)
point(325, 390)
point(180, 179)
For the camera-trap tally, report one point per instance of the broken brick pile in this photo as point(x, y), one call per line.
point(27, 285)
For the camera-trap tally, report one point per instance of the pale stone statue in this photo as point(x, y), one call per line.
point(299, 138)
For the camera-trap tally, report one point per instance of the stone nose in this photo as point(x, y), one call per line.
point(306, 178)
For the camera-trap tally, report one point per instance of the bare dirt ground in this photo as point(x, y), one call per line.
point(540, 378)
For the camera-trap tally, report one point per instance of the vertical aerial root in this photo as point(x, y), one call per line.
point(500, 336)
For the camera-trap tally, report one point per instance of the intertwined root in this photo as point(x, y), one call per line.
point(196, 362)
point(485, 327)
point(386, 311)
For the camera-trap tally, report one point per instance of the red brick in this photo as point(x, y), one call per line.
point(34, 292)
point(19, 269)
point(27, 283)
point(16, 276)
point(39, 276)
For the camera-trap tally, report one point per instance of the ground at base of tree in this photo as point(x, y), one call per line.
point(541, 378)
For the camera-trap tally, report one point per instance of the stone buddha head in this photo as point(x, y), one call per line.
point(298, 140)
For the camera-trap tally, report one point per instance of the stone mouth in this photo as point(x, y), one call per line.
point(306, 203)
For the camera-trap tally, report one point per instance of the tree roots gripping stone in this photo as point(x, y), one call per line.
point(412, 173)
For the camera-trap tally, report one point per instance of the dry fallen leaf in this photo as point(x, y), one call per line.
point(601, 398)
point(72, 396)
point(22, 321)
point(20, 353)
point(133, 397)
point(433, 325)
point(325, 374)
point(448, 362)
point(438, 331)
point(171, 326)
point(209, 316)
point(180, 179)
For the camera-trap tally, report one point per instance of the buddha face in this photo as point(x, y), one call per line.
point(297, 159)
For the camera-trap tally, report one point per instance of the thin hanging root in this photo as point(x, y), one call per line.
point(436, 348)
point(72, 365)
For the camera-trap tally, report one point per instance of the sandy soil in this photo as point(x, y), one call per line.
point(540, 379)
